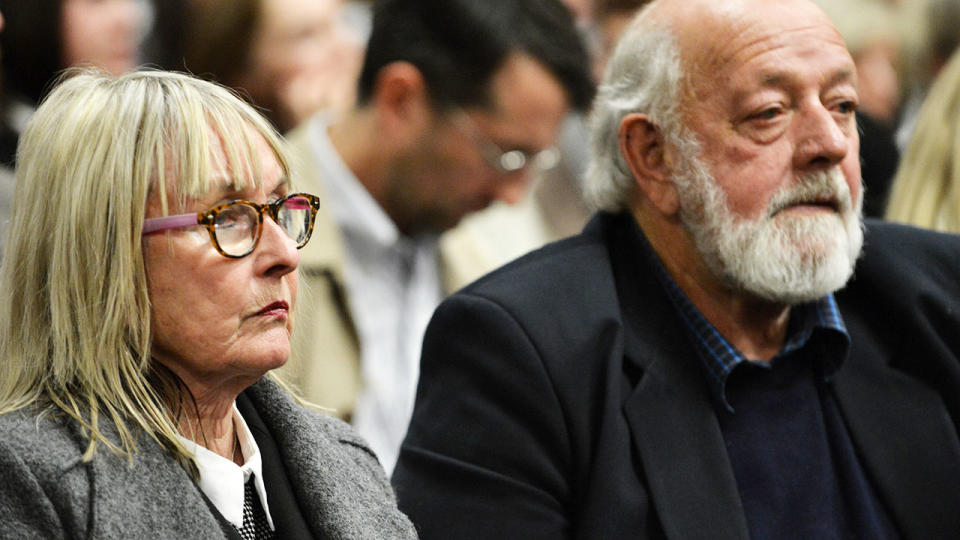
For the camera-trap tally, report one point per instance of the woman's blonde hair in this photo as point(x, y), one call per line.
point(75, 314)
point(926, 188)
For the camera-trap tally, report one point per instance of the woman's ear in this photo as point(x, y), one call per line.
point(642, 146)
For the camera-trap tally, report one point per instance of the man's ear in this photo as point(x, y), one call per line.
point(642, 146)
point(401, 100)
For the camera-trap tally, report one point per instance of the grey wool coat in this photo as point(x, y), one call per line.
point(47, 491)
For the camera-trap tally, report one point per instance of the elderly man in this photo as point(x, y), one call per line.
point(458, 102)
point(682, 369)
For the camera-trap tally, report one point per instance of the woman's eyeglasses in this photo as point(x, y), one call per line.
point(235, 227)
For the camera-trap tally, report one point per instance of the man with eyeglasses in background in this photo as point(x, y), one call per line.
point(459, 102)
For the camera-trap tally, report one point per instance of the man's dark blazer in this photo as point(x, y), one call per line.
point(560, 398)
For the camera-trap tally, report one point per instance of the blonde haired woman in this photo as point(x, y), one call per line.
point(926, 189)
point(148, 286)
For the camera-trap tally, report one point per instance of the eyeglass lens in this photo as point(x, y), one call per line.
point(237, 226)
point(544, 160)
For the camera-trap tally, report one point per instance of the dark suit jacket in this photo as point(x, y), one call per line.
point(559, 398)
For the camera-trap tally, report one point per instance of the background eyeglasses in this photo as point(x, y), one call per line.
point(235, 227)
point(505, 161)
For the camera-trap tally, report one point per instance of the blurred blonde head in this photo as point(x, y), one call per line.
point(75, 317)
point(926, 189)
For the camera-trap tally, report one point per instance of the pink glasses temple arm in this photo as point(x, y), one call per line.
point(170, 222)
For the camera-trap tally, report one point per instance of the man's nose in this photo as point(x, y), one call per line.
point(823, 138)
point(512, 187)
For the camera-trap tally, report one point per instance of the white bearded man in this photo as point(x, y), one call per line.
point(726, 350)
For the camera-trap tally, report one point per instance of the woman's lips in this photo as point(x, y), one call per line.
point(279, 308)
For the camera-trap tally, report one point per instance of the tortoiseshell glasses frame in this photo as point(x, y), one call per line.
point(235, 227)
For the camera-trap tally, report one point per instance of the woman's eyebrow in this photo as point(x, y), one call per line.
point(282, 186)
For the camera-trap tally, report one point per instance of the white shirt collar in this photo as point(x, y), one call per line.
point(222, 480)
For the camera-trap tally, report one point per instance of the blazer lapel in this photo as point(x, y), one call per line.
point(341, 493)
point(671, 419)
point(677, 436)
point(284, 508)
point(906, 441)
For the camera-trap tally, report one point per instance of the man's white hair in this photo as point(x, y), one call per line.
point(643, 76)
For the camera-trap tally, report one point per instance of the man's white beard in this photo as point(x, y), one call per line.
point(783, 258)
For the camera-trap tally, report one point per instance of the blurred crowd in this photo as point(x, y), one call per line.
point(415, 217)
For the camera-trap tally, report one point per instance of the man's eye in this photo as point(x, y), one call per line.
point(768, 114)
point(847, 107)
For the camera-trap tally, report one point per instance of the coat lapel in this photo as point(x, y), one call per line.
point(677, 436)
point(284, 507)
point(340, 487)
point(906, 441)
point(671, 419)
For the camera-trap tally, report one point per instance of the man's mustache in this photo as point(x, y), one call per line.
point(821, 188)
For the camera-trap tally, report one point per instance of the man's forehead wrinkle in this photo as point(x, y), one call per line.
point(713, 59)
point(750, 37)
point(711, 29)
point(843, 72)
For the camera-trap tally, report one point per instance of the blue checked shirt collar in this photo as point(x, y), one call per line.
point(719, 357)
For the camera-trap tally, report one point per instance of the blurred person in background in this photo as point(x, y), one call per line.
point(554, 207)
point(290, 58)
point(147, 292)
point(926, 189)
point(611, 18)
point(164, 45)
point(43, 37)
point(873, 36)
point(459, 102)
point(930, 35)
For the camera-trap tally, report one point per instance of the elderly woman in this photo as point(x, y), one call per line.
point(148, 287)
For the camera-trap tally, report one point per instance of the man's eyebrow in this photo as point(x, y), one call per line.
point(781, 78)
point(842, 76)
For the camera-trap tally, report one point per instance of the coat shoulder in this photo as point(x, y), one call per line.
point(900, 261)
point(46, 485)
point(560, 273)
point(909, 248)
point(41, 441)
